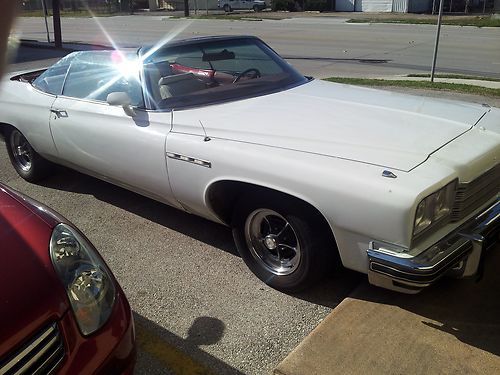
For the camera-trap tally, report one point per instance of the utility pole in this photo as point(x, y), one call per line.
point(44, 7)
point(434, 57)
point(56, 15)
point(186, 8)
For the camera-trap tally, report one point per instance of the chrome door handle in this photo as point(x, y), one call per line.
point(59, 112)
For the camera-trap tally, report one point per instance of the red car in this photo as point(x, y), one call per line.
point(61, 309)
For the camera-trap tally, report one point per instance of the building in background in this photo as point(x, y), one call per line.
point(398, 6)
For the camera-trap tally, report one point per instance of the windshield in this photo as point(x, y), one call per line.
point(212, 71)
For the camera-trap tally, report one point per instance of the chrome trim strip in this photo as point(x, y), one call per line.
point(28, 349)
point(42, 355)
point(42, 368)
point(189, 159)
point(38, 355)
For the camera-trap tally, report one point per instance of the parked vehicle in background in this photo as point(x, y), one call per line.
point(230, 5)
point(61, 307)
point(308, 174)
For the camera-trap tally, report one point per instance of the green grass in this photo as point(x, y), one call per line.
point(454, 76)
point(226, 17)
point(456, 87)
point(479, 21)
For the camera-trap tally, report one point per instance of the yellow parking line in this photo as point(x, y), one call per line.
point(171, 357)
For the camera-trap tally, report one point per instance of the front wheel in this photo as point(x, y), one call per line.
point(25, 160)
point(227, 8)
point(281, 244)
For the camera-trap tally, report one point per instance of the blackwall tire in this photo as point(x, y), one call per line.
point(25, 160)
point(281, 244)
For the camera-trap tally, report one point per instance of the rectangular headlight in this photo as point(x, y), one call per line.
point(434, 208)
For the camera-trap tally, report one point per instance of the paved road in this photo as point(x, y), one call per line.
point(319, 46)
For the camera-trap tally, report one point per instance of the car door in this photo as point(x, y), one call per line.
point(33, 120)
point(103, 140)
point(235, 4)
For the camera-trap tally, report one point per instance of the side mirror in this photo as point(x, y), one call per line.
point(122, 99)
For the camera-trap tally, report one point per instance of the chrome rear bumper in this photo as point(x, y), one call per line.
point(460, 253)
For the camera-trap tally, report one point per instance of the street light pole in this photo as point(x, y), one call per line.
point(56, 15)
point(44, 7)
point(434, 57)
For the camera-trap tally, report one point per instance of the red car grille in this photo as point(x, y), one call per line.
point(42, 354)
point(471, 195)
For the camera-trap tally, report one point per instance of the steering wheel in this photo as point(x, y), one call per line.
point(245, 72)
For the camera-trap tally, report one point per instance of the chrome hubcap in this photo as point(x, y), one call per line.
point(272, 241)
point(21, 150)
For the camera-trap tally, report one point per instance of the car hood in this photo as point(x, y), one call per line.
point(30, 294)
point(383, 128)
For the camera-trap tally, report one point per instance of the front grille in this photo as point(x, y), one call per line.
point(471, 195)
point(42, 354)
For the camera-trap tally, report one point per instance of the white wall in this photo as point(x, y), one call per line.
point(400, 6)
point(373, 5)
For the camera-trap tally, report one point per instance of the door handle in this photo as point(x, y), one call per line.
point(59, 112)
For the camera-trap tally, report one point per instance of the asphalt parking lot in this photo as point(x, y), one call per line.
point(198, 308)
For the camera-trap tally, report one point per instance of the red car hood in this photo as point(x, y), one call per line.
point(31, 294)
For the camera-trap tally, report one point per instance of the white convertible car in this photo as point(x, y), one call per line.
point(309, 174)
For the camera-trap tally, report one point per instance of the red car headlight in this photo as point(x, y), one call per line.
point(86, 279)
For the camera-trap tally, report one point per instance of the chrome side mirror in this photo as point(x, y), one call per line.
point(121, 99)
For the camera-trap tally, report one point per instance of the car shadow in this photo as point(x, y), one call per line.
point(465, 308)
point(203, 230)
point(161, 351)
point(329, 292)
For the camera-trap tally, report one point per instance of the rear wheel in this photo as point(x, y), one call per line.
point(26, 161)
point(227, 8)
point(256, 8)
point(282, 244)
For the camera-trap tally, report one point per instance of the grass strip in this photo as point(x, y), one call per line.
point(462, 21)
point(454, 76)
point(229, 17)
point(444, 86)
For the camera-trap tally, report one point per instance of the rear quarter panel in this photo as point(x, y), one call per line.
point(28, 110)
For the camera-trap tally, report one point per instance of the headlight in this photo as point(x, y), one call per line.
point(88, 282)
point(434, 208)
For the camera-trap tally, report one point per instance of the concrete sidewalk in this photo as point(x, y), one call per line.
point(451, 328)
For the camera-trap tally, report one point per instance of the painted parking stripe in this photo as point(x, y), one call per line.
point(167, 354)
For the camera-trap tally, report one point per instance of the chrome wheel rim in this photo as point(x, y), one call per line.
point(272, 241)
point(21, 151)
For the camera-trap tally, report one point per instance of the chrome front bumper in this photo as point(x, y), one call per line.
point(460, 254)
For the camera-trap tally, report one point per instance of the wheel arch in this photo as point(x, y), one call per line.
point(4, 128)
point(222, 196)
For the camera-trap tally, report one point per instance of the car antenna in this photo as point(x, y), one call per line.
point(207, 138)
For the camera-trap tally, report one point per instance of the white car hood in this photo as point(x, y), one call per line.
point(372, 126)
